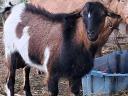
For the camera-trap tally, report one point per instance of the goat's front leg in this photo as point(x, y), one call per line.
point(27, 89)
point(10, 82)
point(75, 85)
point(53, 85)
point(10, 79)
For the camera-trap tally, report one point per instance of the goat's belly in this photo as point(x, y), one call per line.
point(77, 72)
point(75, 63)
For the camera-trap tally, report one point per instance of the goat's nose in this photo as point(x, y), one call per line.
point(91, 32)
point(91, 35)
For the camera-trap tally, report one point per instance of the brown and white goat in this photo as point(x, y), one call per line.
point(60, 45)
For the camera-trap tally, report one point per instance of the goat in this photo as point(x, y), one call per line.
point(60, 45)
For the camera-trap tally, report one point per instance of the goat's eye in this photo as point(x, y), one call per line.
point(102, 13)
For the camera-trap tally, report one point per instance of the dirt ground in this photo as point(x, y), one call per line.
point(37, 86)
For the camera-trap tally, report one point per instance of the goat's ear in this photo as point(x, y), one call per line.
point(113, 15)
point(77, 13)
point(83, 11)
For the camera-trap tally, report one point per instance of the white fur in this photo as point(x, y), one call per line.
point(46, 58)
point(89, 15)
point(10, 28)
point(7, 90)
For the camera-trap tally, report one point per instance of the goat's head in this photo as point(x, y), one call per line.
point(93, 15)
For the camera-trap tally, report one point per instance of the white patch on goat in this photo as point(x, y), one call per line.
point(10, 25)
point(46, 58)
point(22, 46)
point(89, 15)
point(7, 90)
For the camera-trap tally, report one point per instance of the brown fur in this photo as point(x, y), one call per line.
point(19, 28)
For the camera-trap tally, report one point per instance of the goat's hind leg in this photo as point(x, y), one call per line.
point(75, 85)
point(53, 85)
point(11, 64)
point(26, 81)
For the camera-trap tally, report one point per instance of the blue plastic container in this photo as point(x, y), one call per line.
point(109, 75)
point(103, 84)
point(115, 62)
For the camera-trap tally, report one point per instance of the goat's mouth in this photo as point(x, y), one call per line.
point(92, 37)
